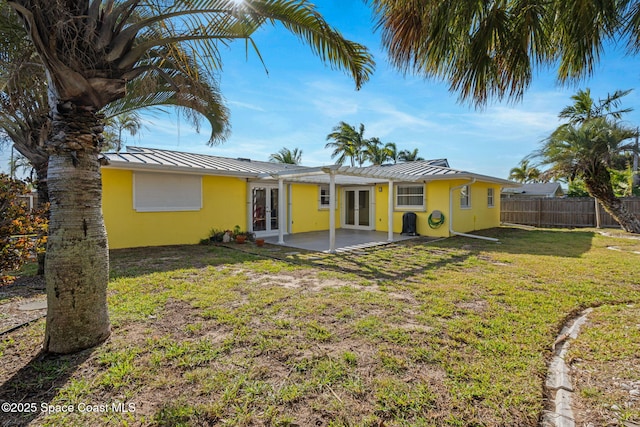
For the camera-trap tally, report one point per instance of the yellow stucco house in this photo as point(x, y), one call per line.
point(155, 197)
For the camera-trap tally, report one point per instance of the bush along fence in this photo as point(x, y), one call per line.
point(565, 212)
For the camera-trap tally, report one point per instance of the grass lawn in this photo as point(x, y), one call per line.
point(456, 332)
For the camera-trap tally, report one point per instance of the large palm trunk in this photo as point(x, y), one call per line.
point(77, 267)
point(599, 187)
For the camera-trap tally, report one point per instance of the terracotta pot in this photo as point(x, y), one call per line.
point(260, 242)
point(241, 239)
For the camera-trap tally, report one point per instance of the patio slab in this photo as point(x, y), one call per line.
point(346, 240)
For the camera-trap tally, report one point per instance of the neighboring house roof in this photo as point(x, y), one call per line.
point(162, 160)
point(547, 189)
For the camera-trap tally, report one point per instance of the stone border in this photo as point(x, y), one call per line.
point(559, 384)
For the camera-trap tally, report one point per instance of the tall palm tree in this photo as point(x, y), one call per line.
point(409, 156)
point(393, 151)
point(490, 49)
point(376, 152)
point(91, 50)
point(348, 142)
point(129, 122)
point(586, 151)
point(585, 107)
point(285, 155)
point(525, 173)
point(23, 99)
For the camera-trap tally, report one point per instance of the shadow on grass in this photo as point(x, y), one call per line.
point(135, 262)
point(37, 383)
point(548, 242)
point(389, 262)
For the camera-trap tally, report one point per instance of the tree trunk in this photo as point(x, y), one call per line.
point(599, 187)
point(77, 267)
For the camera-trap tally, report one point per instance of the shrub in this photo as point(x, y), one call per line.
point(22, 232)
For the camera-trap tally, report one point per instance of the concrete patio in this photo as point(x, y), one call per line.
point(346, 240)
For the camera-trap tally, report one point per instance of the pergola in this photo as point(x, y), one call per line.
point(346, 175)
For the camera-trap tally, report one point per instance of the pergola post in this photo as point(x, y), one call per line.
point(390, 212)
point(332, 212)
point(281, 211)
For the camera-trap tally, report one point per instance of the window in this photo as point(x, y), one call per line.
point(465, 197)
point(410, 196)
point(323, 202)
point(490, 197)
point(164, 192)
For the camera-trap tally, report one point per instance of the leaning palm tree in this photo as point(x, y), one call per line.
point(348, 142)
point(491, 49)
point(91, 50)
point(586, 151)
point(285, 155)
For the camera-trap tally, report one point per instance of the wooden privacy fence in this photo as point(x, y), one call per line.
point(566, 212)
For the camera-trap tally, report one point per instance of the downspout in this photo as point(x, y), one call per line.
point(455, 233)
point(390, 212)
point(281, 209)
point(332, 212)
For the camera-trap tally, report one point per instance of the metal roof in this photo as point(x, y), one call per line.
point(139, 158)
point(157, 159)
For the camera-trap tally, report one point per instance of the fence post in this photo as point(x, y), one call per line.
point(539, 212)
point(597, 207)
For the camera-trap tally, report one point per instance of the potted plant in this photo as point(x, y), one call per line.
point(241, 236)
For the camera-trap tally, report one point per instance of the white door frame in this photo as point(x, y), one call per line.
point(268, 231)
point(372, 208)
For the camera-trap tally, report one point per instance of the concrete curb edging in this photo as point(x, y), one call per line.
point(559, 384)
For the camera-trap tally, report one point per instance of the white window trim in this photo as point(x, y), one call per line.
point(399, 207)
point(321, 206)
point(141, 205)
point(493, 197)
point(465, 190)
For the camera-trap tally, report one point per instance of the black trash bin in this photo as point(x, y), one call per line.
point(409, 224)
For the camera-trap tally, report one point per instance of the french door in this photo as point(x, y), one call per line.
point(264, 209)
point(358, 211)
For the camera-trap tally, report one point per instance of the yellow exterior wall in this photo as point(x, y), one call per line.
point(224, 204)
point(478, 217)
point(305, 211)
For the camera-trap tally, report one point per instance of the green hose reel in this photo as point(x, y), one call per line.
point(436, 219)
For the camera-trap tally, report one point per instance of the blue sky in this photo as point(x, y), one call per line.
point(300, 100)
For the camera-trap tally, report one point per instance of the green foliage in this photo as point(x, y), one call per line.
point(22, 233)
point(577, 189)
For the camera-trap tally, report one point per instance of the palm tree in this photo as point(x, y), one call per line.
point(393, 151)
point(24, 108)
point(375, 152)
point(409, 156)
point(347, 142)
point(585, 108)
point(91, 50)
point(487, 49)
point(287, 156)
point(586, 151)
point(129, 122)
point(525, 173)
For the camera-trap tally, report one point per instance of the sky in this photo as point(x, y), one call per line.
point(300, 100)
